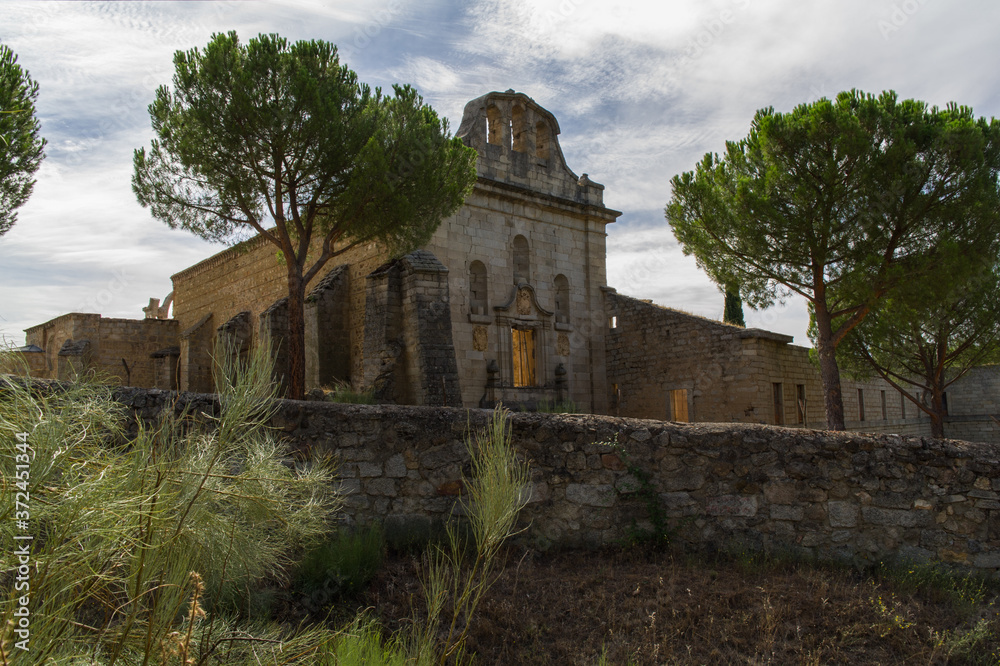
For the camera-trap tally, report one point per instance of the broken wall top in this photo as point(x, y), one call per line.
point(517, 144)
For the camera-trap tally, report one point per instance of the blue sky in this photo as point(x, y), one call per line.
point(641, 90)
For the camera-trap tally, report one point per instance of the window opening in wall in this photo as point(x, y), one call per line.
point(477, 288)
point(494, 128)
point(885, 411)
point(562, 298)
point(613, 323)
point(523, 353)
point(861, 404)
point(902, 406)
point(800, 403)
point(518, 130)
point(522, 263)
point(679, 405)
point(779, 403)
point(542, 140)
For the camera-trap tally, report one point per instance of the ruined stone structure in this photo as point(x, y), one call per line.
point(120, 349)
point(671, 365)
point(508, 302)
point(500, 305)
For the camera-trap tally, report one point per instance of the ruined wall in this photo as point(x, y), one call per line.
point(838, 495)
point(328, 329)
point(29, 363)
point(409, 354)
point(250, 278)
point(731, 374)
point(53, 334)
point(111, 341)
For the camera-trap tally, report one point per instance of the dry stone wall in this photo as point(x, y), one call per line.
point(832, 495)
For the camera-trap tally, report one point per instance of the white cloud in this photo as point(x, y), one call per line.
point(641, 89)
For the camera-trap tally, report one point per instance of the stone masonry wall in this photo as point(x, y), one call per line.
point(974, 405)
point(731, 374)
point(111, 341)
point(832, 495)
point(526, 189)
point(250, 278)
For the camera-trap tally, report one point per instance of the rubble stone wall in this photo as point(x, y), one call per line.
point(833, 495)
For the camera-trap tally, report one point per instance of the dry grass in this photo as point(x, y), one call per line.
point(656, 608)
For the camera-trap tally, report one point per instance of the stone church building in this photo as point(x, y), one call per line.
point(508, 302)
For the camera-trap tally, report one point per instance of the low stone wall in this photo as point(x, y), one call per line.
point(834, 495)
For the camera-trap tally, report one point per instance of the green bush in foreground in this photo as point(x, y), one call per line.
point(137, 543)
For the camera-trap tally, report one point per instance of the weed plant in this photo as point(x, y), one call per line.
point(659, 534)
point(343, 392)
point(964, 591)
point(553, 407)
point(137, 541)
point(459, 572)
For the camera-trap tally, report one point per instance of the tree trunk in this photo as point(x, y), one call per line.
point(296, 340)
point(829, 371)
point(937, 413)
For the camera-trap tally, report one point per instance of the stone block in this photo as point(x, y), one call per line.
point(787, 512)
point(780, 493)
point(731, 505)
point(989, 560)
point(368, 469)
point(599, 495)
point(891, 517)
point(384, 487)
point(395, 466)
point(627, 484)
point(842, 514)
point(683, 480)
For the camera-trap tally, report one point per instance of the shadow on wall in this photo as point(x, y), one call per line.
point(830, 495)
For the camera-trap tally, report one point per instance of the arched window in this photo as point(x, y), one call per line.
point(522, 263)
point(542, 140)
point(478, 299)
point(518, 130)
point(494, 126)
point(562, 299)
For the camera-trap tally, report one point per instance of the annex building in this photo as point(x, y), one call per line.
point(508, 302)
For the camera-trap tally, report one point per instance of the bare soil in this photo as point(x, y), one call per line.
point(646, 606)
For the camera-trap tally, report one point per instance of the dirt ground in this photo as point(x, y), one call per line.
point(652, 607)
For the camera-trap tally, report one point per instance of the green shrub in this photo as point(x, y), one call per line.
point(459, 572)
point(553, 407)
point(137, 540)
point(340, 567)
point(343, 392)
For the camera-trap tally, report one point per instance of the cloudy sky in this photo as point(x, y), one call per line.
point(641, 88)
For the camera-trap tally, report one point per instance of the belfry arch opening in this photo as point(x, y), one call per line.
point(543, 140)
